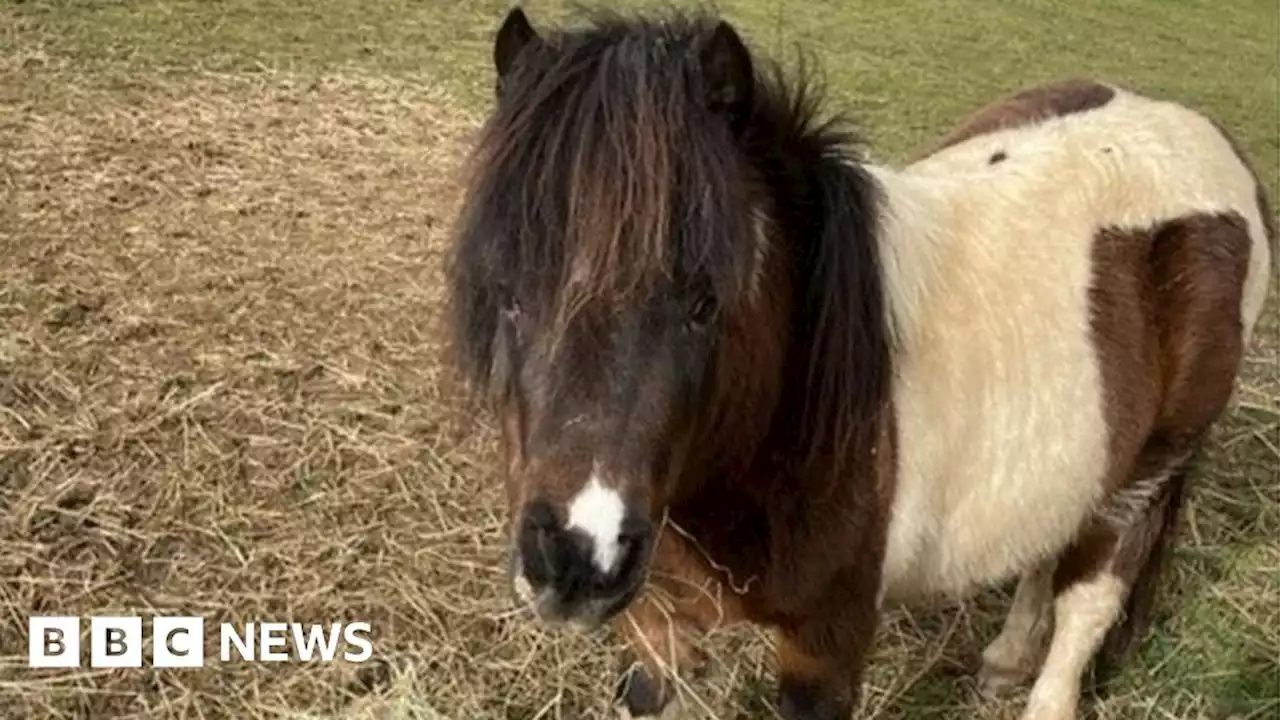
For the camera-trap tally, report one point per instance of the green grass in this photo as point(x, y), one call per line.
point(904, 73)
point(903, 69)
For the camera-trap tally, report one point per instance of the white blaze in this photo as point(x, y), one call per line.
point(597, 511)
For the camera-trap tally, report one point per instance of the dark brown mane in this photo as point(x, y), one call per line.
point(600, 176)
point(597, 135)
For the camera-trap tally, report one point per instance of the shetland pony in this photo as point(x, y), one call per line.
point(743, 375)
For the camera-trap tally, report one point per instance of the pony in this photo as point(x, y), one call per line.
point(744, 375)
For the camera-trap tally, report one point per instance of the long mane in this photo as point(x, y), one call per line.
point(825, 209)
point(597, 174)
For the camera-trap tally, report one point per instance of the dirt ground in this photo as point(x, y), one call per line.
point(221, 393)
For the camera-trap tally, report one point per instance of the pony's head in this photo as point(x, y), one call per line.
point(614, 289)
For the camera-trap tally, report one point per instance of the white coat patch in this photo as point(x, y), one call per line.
point(598, 511)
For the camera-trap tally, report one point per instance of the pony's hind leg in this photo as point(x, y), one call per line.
point(1083, 614)
point(1195, 269)
point(1104, 586)
point(1016, 652)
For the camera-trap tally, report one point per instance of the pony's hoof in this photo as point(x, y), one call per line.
point(671, 712)
point(640, 696)
point(1053, 709)
point(995, 681)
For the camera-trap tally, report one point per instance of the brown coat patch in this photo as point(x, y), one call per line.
point(1167, 325)
point(1029, 106)
point(1168, 329)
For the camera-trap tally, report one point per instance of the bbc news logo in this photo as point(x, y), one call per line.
point(178, 642)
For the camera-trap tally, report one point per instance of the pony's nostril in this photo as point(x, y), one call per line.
point(540, 516)
point(633, 545)
point(635, 529)
point(538, 542)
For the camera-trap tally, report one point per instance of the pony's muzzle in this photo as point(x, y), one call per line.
point(576, 576)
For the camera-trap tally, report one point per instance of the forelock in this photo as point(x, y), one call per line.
point(603, 178)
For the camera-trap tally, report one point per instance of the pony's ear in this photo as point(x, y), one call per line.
point(726, 63)
point(512, 37)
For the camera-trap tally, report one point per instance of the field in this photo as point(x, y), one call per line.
point(221, 389)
